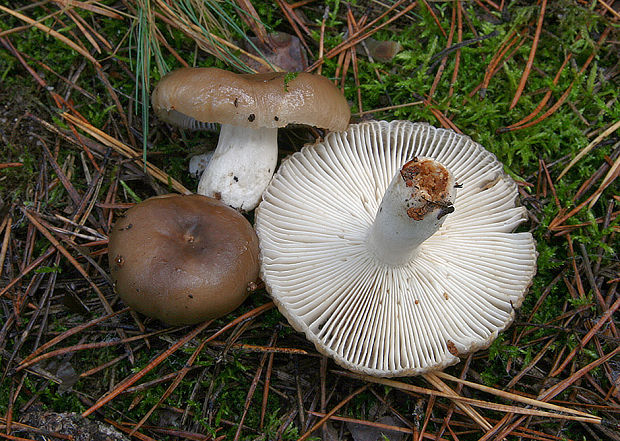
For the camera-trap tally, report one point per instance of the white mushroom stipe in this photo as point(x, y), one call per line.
point(241, 166)
point(256, 105)
point(376, 296)
point(413, 208)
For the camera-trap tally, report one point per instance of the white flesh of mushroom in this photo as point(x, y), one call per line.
point(338, 268)
point(241, 166)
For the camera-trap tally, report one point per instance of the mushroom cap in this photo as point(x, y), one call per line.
point(183, 259)
point(193, 95)
point(453, 297)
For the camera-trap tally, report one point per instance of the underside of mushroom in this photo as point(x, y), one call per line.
point(392, 246)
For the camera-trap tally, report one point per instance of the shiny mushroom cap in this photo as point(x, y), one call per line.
point(206, 95)
point(183, 259)
point(392, 246)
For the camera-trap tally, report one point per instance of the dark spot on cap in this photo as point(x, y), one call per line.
point(129, 226)
point(252, 117)
point(119, 260)
point(236, 179)
point(190, 296)
point(276, 118)
point(236, 102)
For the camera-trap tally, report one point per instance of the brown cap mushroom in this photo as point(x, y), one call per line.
point(250, 108)
point(269, 100)
point(183, 259)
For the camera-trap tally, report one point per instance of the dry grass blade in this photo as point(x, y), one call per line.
point(126, 151)
point(515, 397)
point(590, 146)
point(53, 33)
point(177, 380)
point(472, 413)
point(138, 435)
point(295, 22)
point(576, 415)
point(88, 6)
point(610, 9)
point(609, 178)
point(566, 93)
point(384, 109)
point(11, 164)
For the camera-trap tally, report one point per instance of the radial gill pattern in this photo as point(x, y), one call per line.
point(453, 297)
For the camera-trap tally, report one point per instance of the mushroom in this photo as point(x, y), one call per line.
point(183, 259)
point(391, 246)
point(250, 108)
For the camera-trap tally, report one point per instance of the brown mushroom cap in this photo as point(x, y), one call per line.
point(251, 100)
point(183, 259)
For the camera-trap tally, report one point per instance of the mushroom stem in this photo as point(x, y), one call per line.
point(413, 208)
point(241, 166)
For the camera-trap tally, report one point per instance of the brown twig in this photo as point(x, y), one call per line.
point(332, 412)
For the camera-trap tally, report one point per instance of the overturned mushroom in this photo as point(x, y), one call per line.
point(250, 108)
point(183, 259)
point(391, 246)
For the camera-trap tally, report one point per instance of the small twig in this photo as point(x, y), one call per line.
point(604, 318)
point(252, 388)
point(332, 412)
